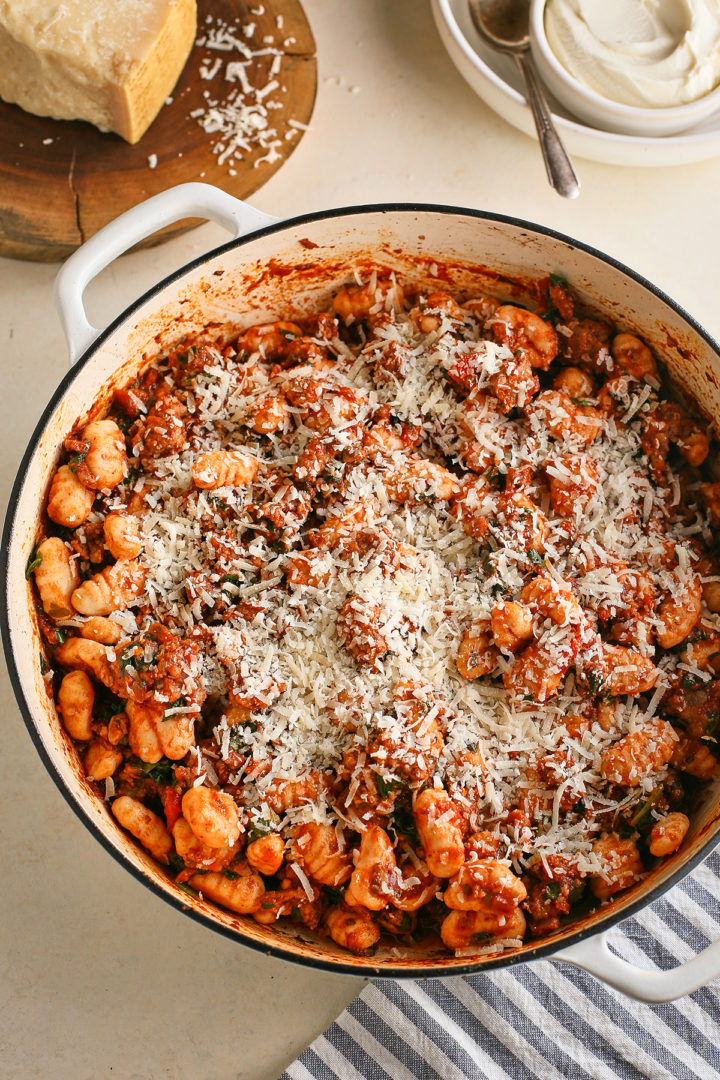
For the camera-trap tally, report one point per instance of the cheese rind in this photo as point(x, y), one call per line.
point(96, 60)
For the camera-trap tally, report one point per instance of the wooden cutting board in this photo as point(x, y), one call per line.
point(61, 181)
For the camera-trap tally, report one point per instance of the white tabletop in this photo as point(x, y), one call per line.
point(101, 978)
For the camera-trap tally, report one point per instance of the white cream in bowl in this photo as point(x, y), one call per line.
point(644, 53)
point(637, 67)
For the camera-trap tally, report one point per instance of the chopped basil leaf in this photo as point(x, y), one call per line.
point(160, 771)
point(642, 817)
point(576, 892)
point(595, 682)
point(33, 562)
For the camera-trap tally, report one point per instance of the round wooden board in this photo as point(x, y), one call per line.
point(61, 180)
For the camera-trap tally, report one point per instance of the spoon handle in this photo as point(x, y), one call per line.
point(557, 164)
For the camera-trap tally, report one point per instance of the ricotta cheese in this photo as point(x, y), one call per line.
point(96, 60)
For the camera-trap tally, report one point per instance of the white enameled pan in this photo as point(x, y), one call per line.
point(274, 269)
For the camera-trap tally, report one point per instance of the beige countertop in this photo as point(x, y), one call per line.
point(99, 977)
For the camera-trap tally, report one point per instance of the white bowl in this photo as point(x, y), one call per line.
point(602, 112)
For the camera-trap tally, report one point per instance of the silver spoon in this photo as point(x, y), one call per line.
point(503, 24)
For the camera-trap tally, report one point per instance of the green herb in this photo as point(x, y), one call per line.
point(112, 706)
point(528, 697)
point(160, 771)
point(576, 892)
point(552, 890)
point(43, 665)
point(517, 353)
point(78, 458)
point(288, 335)
point(133, 655)
point(127, 660)
point(558, 281)
point(183, 358)
point(260, 827)
point(175, 863)
point(712, 722)
point(579, 808)
point(217, 501)
point(186, 888)
point(268, 906)
point(33, 562)
point(238, 739)
point(595, 682)
point(385, 786)
point(403, 822)
point(641, 818)
point(690, 682)
point(229, 874)
point(535, 557)
point(483, 937)
point(60, 636)
point(132, 475)
point(381, 786)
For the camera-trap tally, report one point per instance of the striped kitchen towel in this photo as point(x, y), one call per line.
point(540, 1021)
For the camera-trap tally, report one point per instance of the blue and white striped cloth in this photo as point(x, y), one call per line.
point(541, 1021)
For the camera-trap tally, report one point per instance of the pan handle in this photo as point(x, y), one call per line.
point(183, 201)
point(594, 956)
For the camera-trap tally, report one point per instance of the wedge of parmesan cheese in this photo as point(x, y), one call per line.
point(112, 64)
